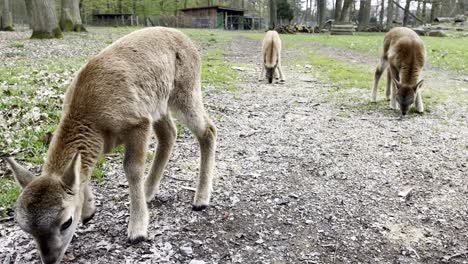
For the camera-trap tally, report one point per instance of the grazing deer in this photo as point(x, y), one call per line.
point(271, 56)
point(405, 54)
point(116, 98)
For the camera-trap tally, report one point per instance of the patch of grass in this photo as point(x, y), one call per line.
point(216, 71)
point(13, 54)
point(99, 172)
point(449, 53)
point(17, 45)
point(348, 79)
point(9, 192)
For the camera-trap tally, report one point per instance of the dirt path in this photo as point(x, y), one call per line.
point(298, 181)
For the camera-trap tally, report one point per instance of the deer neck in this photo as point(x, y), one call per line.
point(73, 136)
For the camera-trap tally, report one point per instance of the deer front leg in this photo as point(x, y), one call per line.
point(262, 74)
point(89, 209)
point(280, 71)
point(419, 102)
point(134, 161)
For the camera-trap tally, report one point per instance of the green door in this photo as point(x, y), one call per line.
point(220, 20)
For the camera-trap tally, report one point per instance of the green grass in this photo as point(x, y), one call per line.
point(17, 45)
point(450, 53)
point(216, 71)
point(9, 191)
point(353, 83)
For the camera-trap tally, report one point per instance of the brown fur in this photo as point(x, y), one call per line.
point(271, 57)
point(117, 98)
point(405, 55)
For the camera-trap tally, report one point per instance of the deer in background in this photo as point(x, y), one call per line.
point(404, 55)
point(116, 98)
point(271, 57)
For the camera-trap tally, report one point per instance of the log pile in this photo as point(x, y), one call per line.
point(347, 29)
point(293, 29)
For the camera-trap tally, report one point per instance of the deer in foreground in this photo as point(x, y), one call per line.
point(116, 98)
point(271, 57)
point(404, 55)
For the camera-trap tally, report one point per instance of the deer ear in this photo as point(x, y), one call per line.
point(22, 176)
point(71, 177)
point(418, 85)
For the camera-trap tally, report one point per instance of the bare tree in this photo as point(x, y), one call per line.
point(338, 6)
point(382, 13)
point(390, 8)
point(345, 12)
point(364, 14)
point(44, 20)
point(6, 20)
point(406, 15)
point(71, 18)
point(424, 11)
point(272, 14)
point(435, 9)
point(307, 11)
point(321, 10)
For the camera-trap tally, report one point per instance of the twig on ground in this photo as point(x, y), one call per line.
point(178, 179)
point(334, 253)
point(189, 188)
point(447, 258)
point(6, 219)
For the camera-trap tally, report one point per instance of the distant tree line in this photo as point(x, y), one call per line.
point(49, 18)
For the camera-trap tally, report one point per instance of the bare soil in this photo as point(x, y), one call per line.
point(299, 180)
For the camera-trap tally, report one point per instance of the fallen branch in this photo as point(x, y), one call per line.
point(6, 219)
point(189, 188)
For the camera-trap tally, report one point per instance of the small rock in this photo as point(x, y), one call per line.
point(405, 191)
point(186, 250)
point(196, 261)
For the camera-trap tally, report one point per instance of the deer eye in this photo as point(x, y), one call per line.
point(67, 224)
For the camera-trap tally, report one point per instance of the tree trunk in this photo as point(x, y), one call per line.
point(462, 5)
point(344, 17)
point(406, 15)
point(307, 12)
point(338, 6)
point(424, 11)
point(272, 14)
point(321, 9)
point(71, 18)
point(364, 14)
point(389, 15)
point(6, 23)
point(362, 7)
point(435, 9)
point(44, 20)
point(382, 13)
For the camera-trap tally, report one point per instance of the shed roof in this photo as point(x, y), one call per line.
point(214, 6)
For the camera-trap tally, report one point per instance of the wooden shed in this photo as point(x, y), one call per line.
point(214, 17)
point(113, 20)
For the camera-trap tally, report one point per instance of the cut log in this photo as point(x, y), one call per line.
point(341, 33)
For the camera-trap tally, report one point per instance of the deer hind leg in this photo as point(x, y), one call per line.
point(166, 133)
point(89, 209)
point(378, 73)
point(394, 73)
point(388, 90)
point(134, 161)
point(195, 118)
